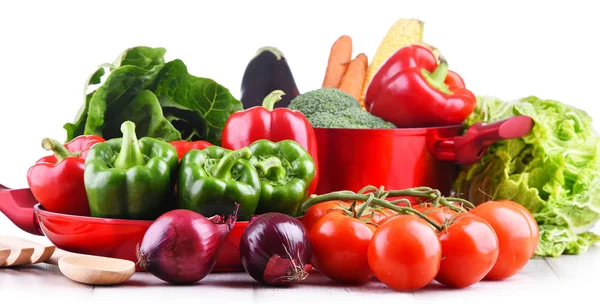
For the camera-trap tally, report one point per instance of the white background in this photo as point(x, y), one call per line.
point(509, 49)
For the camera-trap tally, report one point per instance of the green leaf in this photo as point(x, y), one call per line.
point(123, 84)
point(190, 123)
point(134, 70)
point(97, 76)
point(143, 57)
point(555, 241)
point(203, 99)
point(78, 127)
point(147, 115)
point(121, 87)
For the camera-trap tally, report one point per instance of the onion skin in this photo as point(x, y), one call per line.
point(275, 249)
point(181, 246)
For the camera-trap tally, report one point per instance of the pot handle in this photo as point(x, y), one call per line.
point(17, 205)
point(469, 148)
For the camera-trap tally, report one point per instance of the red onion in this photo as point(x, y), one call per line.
point(181, 246)
point(275, 249)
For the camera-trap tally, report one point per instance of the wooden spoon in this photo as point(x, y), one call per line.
point(94, 270)
point(24, 251)
point(4, 254)
point(86, 269)
point(19, 254)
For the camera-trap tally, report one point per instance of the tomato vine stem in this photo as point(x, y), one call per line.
point(349, 196)
point(373, 197)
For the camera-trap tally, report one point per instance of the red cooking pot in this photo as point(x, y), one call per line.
point(350, 159)
point(115, 238)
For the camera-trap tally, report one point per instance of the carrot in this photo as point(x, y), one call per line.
point(337, 64)
point(353, 80)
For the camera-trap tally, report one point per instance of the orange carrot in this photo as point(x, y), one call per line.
point(354, 78)
point(337, 64)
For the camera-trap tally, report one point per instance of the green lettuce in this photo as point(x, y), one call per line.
point(554, 171)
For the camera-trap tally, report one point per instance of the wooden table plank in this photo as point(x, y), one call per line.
point(535, 278)
point(577, 268)
point(218, 286)
point(537, 281)
point(40, 281)
point(318, 287)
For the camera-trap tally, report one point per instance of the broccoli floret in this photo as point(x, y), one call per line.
point(323, 100)
point(329, 120)
point(333, 108)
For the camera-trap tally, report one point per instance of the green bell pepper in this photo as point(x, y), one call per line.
point(212, 180)
point(286, 171)
point(127, 178)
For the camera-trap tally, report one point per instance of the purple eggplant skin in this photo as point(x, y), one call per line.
point(266, 72)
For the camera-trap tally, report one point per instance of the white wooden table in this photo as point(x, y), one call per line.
point(543, 280)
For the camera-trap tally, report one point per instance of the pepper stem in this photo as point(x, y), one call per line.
point(60, 151)
point(271, 168)
point(131, 153)
point(222, 170)
point(271, 99)
point(437, 78)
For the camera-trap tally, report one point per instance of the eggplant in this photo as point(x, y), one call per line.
point(266, 72)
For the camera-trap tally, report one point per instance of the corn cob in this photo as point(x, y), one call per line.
point(403, 33)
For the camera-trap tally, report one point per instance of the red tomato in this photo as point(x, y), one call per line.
point(339, 245)
point(535, 230)
point(405, 253)
point(315, 212)
point(517, 236)
point(470, 250)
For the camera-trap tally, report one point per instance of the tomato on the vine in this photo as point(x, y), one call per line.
point(517, 232)
point(535, 231)
point(339, 245)
point(405, 253)
point(316, 212)
point(469, 250)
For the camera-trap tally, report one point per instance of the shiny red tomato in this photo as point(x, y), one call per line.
point(517, 235)
point(339, 245)
point(405, 253)
point(315, 212)
point(535, 230)
point(470, 250)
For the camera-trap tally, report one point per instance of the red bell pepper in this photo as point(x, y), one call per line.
point(56, 181)
point(183, 146)
point(412, 90)
point(263, 122)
